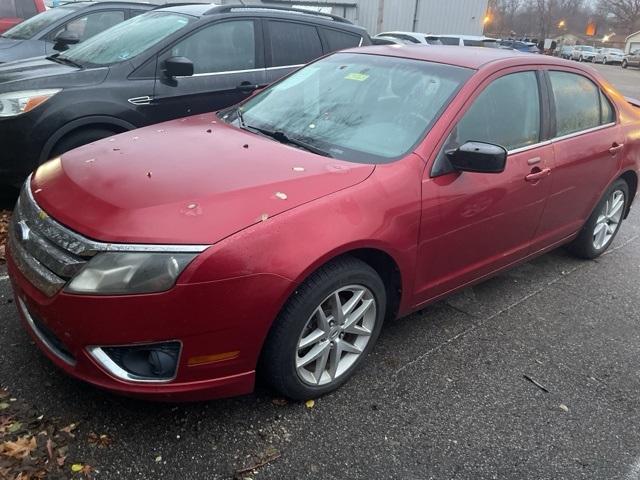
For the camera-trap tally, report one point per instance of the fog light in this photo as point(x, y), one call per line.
point(157, 362)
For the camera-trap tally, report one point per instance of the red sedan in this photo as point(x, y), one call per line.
point(13, 12)
point(178, 260)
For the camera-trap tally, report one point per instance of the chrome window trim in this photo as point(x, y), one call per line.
point(249, 70)
point(559, 139)
point(528, 147)
point(113, 369)
point(41, 337)
point(83, 246)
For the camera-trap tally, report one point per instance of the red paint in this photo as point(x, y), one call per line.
point(205, 188)
point(7, 22)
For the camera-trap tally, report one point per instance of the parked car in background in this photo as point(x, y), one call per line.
point(469, 41)
point(566, 52)
point(437, 168)
point(631, 59)
point(609, 55)
point(383, 40)
point(527, 47)
point(13, 12)
point(166, 63)
point(583, 53)
point(411, 37)
point(58, 28)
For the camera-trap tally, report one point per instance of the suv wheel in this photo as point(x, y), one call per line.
point(624, 63)
point(78, 138)
point(325, 331)
point(604, 60)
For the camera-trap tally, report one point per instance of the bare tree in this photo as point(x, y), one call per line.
point(624, 14)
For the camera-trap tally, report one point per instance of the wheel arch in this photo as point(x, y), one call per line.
point(95, 121)
point(631, 178)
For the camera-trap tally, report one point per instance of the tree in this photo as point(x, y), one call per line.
point(624, 14)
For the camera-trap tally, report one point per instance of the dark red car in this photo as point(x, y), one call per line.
point(13, 12)
point(178, 260)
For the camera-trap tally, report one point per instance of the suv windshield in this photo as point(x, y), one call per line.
point(34, 25)
point(361, 108)
point(127, 39)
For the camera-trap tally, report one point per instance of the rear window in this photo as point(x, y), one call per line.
point(340, 40)
point(293, 43)
point(450, 40)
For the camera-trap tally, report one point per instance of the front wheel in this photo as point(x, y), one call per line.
point(325, 330)
point(604, 61)
point(603, 224)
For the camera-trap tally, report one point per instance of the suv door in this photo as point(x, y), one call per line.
point(289, 45)
point(86, 26)
point(587, 147)
point(490, 219)
point(228, 62)
point(634, 58)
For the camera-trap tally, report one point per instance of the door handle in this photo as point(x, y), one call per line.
point(615, 148)
point(539, 175)
point(247, 87)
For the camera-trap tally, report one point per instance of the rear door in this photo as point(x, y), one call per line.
point(289, 45)
point(228, 59)
point(587, 145)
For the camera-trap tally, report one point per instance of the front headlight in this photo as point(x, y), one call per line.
point(17, 103)
point(120, 273)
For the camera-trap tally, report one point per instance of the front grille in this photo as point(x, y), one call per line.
point(44, 251)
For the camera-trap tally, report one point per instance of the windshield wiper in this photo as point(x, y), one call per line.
point(63, 60)
point(284, 138)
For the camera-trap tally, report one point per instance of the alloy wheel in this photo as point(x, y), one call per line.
point(609, 220)
point(335, 335)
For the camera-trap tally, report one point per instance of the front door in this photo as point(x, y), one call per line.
point(476, 223)
point(228, 59)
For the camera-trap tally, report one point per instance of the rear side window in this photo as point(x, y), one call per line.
point(472, 43)
point(506, 113)
point(340, 40)
point(8, 8)
point(293, 43)
point(450, 40)
point(578, 103)
point(608, 113)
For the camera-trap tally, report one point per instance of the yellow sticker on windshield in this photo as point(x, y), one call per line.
point(358, 77)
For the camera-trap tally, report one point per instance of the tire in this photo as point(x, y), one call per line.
point(624, 64)
point(604, 60)
point(282, 359)
point(593, 59)
point(580, 58)
point(78, 138)
point(587, 244)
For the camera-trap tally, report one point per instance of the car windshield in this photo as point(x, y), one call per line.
point(127, 39)
point(355, 107)
point(34, 25)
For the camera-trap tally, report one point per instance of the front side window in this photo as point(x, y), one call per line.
point(34, 25)
point(506, 113)
point(127, 39)
point(361, 108)
point(89, 25)
point(221, 47)
point(577, 101)
point(293, 43)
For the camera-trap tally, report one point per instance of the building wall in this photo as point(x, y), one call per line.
point(632, 43)
point(427, 16)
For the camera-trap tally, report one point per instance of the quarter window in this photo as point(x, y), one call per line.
point(506, 113)
point(340, 40)
point(578, 103)
point(221, 47)
point(293, 43)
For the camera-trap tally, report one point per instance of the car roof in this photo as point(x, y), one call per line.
point(108, 3)
point(465, 37)
point(468, 57)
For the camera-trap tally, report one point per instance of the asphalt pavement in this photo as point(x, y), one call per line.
point(532, 374)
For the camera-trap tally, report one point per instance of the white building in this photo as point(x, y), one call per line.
point(463, 17)
point(632, 42)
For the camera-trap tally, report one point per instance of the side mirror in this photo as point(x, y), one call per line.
point(478, 157)
point(64, 40)
point(178, 67)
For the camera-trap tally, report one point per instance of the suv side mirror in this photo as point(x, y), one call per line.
point(178, 67)
point(478, 157)
point(65, 39)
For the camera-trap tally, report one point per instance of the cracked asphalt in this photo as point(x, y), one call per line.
point(445, 394)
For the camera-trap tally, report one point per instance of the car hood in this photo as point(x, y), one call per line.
point(9, 43)
point(42, 73)
point(189, 181)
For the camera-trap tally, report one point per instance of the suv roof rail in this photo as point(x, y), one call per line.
point(95, 2)
point(260, 8)
point(177, 4)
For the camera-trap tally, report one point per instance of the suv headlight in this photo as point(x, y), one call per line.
point(17, 103)
point(113, 273)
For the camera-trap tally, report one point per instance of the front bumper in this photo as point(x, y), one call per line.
point(211, 319)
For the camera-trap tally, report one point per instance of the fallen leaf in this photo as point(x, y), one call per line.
point(279, 401)
point(86, 470)
point(4, 405)
point(14, 427)
point(60, 460)
point(21, 448)
point(77, 467)
point(159, 458)
point(310, 403)
point(99, 440)
point(564, 408)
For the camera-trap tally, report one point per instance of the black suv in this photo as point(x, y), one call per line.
point(164, 64)
point(60, 27)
